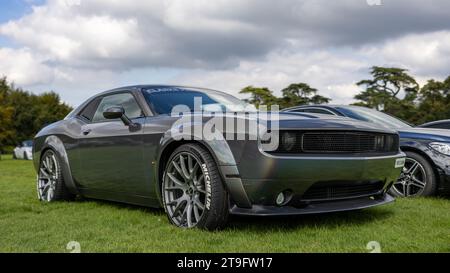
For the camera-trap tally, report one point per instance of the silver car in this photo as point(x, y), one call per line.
point(24, 150)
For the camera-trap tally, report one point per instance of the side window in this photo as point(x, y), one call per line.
point(318, 111)
point(440, 126)
point(126, 100)
point(89, 111)
point(299, 111)
point(315, 111)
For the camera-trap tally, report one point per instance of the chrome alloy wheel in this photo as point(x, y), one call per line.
point(47, 177)
point(413, 179)
point(184, 190)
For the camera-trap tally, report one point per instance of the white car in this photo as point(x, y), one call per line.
point(24, 150)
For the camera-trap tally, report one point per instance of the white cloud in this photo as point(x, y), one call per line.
point(23, 68)
point(78, 47)
point(426, 53)
point(332, 75)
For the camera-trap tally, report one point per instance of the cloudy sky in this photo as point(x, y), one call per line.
point(81, 47)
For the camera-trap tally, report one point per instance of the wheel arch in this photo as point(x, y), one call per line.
point(427, 158)
point(224, 159)
point(165, 153)
point(55, 144)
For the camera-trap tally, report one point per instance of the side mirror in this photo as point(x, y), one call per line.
point(116, 112)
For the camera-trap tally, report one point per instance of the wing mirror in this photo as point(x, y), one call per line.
point(117, 112)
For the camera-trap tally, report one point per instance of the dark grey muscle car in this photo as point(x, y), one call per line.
point(120, 145)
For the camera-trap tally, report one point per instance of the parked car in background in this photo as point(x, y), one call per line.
point(439, 124)
point(427, 167)
point(119, 145)
point(24, 150)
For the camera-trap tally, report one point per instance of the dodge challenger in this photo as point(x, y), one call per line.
point(127, 145)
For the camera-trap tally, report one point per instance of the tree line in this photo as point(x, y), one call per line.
point(23, 114)
point(389, 89)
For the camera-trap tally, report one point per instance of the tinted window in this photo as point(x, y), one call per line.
point(317, 111)
point(89, 111)
point(371, 115)
point(439, 126)
point(162, 102)
point(126, 100)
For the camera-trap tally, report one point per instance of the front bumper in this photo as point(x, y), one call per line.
point(272, 175)
point(259, 178)
point(315, 208)
point(444, 182)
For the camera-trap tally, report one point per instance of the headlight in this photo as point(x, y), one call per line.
point(443, 148)
point(288, 141)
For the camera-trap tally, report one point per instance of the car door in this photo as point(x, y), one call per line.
point(18, 151)
point(110, 153)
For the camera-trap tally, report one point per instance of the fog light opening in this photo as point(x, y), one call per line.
point(283, 198)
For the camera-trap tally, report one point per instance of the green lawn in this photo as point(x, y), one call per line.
point(26, 225)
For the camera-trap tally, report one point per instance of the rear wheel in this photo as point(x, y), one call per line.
point(192, 189)
point(25, 156)
point(417, 178)
point(50, 182)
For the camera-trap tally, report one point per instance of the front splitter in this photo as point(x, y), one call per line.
point(315, 208)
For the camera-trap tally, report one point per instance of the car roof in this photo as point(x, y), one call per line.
point(156, 87)
point(137, 88)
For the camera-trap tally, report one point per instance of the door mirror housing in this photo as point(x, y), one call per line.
point(114, 112)
point(117, 112)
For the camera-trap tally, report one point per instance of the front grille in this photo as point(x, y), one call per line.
point(341, 190)
point(323, 142)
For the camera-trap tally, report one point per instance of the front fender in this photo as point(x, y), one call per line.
point(223, 155)
point(54, 143)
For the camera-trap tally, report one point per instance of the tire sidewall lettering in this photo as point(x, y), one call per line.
point(207, 185)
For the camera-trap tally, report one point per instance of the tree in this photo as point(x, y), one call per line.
point(383, 91)
point(23, 114)
point(300, 94)
point(6, 114)
point(51, 109)
point(293, 95)
point(434, 101)
point(259, 96)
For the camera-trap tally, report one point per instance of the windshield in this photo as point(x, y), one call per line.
point(374, 116)
point(28, 143)
point(163, 100)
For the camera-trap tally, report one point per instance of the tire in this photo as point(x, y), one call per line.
point(25, 157)
point(408, 184)
point(188, 186)
point(50, 181)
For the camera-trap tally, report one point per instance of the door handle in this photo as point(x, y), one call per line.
point(87, 132)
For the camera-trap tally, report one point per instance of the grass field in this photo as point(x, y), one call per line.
point(26, 225)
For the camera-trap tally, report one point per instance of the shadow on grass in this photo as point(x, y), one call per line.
point(258, 223)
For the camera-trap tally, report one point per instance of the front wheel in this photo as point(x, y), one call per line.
point(192, 189)
point(50, 182)
point(417, 178)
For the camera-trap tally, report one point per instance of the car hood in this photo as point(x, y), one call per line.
point(310, 121)
point(327, 122)
point(425, 133)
